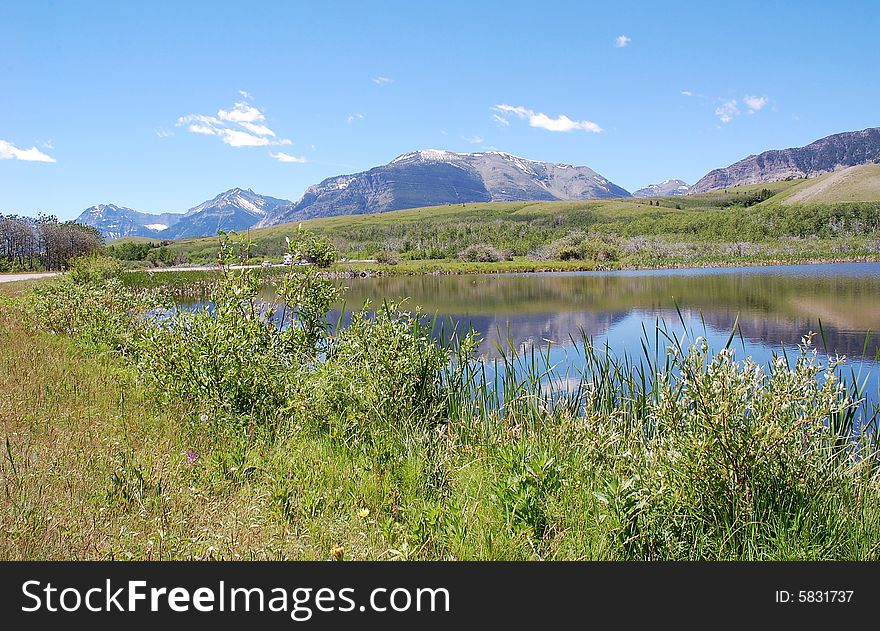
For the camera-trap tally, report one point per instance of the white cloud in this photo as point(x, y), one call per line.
point(500, 120)
point(8, 151)
point(755, 103)
point(238, 138)
point(687, 93)
point(542, 121)
point(164, 133)
point(243, 125)
point(354, 117)
point(204, 129)
point(727, 111)
point(246, 95)
point(259, 130)
point(474, 140)
point(284, 157)
point(241, 113)
point(621, 41)
point(382, 80)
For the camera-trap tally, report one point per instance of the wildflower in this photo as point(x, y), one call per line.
point(203, 418)
point(191, 457)
point(338, 553)
point(364, 513)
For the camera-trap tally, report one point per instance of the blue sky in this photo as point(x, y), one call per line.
point(159, 106)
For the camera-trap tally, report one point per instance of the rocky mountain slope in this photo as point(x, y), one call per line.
point(663, 189)
point(116, 222)
point(823, 156)
point(235, 209)
point(434, 177)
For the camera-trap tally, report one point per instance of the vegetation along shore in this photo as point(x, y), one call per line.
point(258, 430)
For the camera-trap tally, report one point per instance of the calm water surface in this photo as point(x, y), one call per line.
point(774, 307)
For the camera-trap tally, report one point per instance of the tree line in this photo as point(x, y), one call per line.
point(43, 243)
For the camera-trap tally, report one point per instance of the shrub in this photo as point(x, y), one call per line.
point(310, 248)
point(242, 354)
point(734, 456)
point(94, 268)
point(381, 381)
point(100, 315)
point(388, 257)
point(481, 253)
point(581, 246)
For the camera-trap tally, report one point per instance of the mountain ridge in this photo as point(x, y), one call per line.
point(434, 177)
point(116, 222)
point(663, 189)
point(822, 156)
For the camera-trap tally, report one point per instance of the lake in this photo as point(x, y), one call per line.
point(773, 306)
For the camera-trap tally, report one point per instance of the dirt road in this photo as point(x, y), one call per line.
point(11, 278)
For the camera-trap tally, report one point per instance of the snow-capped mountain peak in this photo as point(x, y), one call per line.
point(663, 189)
point(430, 177)
point(116, 222)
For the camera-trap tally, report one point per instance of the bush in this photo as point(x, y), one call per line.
point(381, 382)
point(105, 315)
point(734, 456)
point(524, 485)
point(93, 269)
point(582, 247)
point(243, 354)
point(481, 253)
point(388, 257)
point(311, 248)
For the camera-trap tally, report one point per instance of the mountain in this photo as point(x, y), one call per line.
point(823, 156)
point(116, 222)
point(433, 178)
point(663, 189)
point(235, 209)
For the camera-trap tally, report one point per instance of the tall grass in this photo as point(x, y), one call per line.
point(389, 438)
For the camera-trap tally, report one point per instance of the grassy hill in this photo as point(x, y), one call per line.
point(854, 184)
point(716, 226)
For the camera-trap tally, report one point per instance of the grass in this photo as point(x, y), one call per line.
point(729, 226)
point(854, 184)
point(219, 436)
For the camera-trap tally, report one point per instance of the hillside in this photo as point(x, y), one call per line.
point(854, 184)
point(820, 157)
point(715, 226)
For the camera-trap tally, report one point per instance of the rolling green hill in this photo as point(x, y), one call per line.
point(854, 184)
point(713, 226)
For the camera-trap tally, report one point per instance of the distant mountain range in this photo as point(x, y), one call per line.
point(419, 178)
point(116, 222)
point(663, 189)
point(435, 178)
point(235, 209)
point(823, 156)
